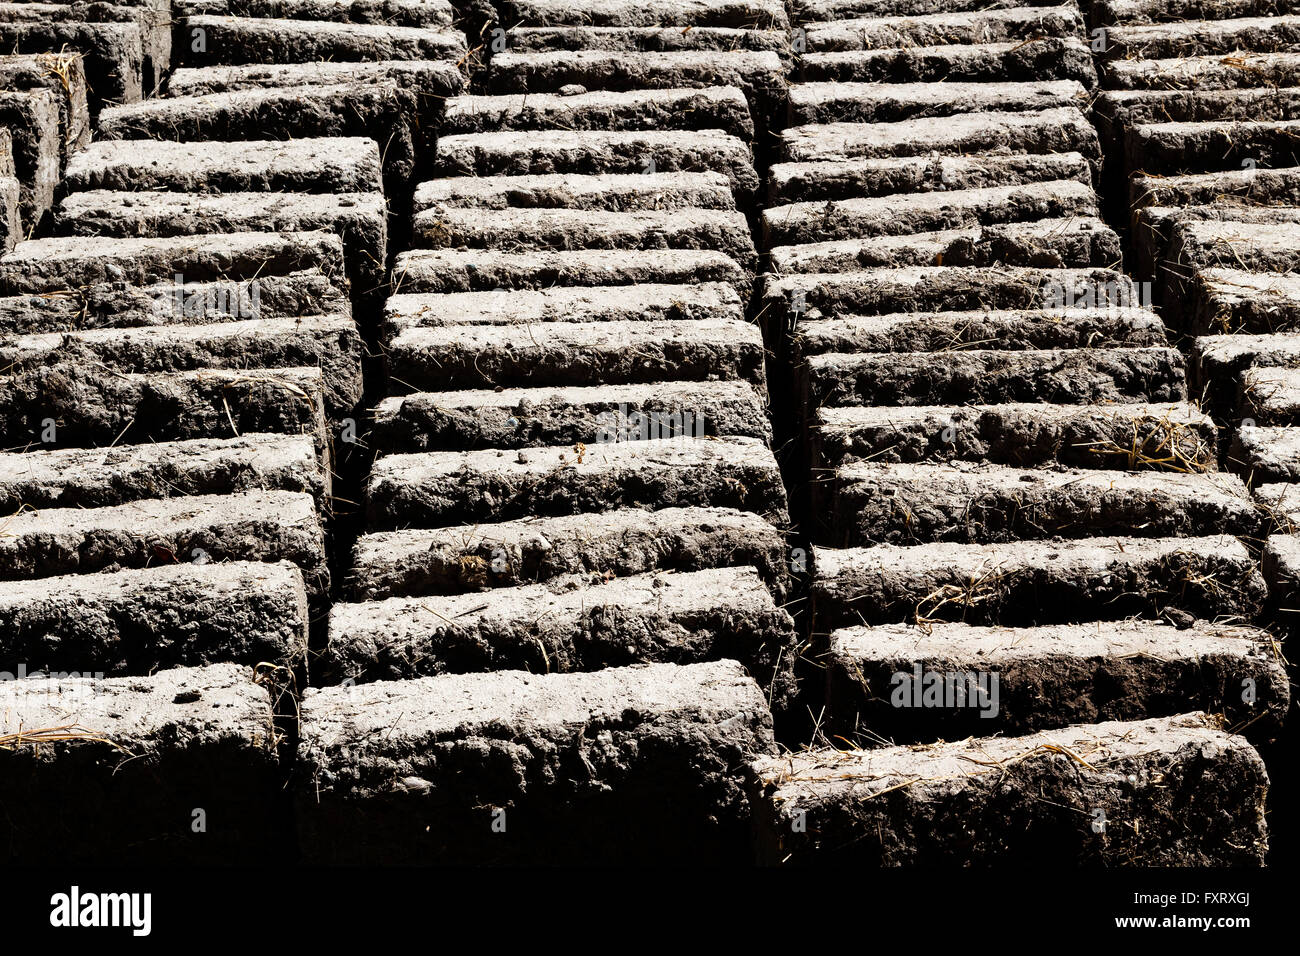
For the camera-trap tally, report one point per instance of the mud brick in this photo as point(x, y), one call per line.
point(1195, 244)
point(332, 343)
point(894, 102)
point(1153, 229)
point(1068, 377)
point(153, 17)
point(565, 625)
point(1281, 560)
point(1259, 247)
point(381, 109)
point(64, 75)
point(1270, 396)
point(430, 81)
point(234, 40)
point(1125, 436)
point(599, 152)
point(133, 757)
point(720, 107)
point(1216, 72)
point(1112, 12)
point(926, 212)
point(639, 301)
point(406, 13)
point(1266, 454)
point(567, 415)
point(71, 478)
point(1281, 502)
point(1008, 330)
point(98, 406)
point(1116, 110)
point(319, 165)
point(155, 20)
point(1060, 130)
point(359, 219)
point(11, 226)
point(805, 11)
point(395, 770)
point(1023, 60)
point(112, 54)
point(1226, 355)
point(174, 615)
point(887, 252)
point(1245, 186)
point(624, 192)
point(249, 526)
point(619, 543)
point(1118, 113)
point(434, 270)
point(1036, 582)
point(845, 179)
point(32, 118)
point(117, 305)
point(744, 14)
point(1162, 41)
point(937, 289)
point(899, 504)
point(1233, 300)
point(1074, 243)
point(723, 230)
point(576, 353)
point(437, 489)
point(1048, 676)
point(1165, 148)
point(991, 26)
point(60, 264)
point(1216, 366)
point(759, 74)
point(524, 40)
point(7, 170)
point(1022, 800)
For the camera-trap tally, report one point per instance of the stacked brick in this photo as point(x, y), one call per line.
point(575, 511)
point(1015, 800)
point(389, 407)
point(559, 46)
point(125, 47)
point(165, 409)
point(254, 70)
point(165, 486)
point(1006, 477)
point(183, 352)
point(1202, 106)
point(44, 118)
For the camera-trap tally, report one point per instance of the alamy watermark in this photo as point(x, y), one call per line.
point(78, 909)
point(1123, 294)
point(226, 298)
point(62, 685)
point(977, 690)
point(621, 425)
